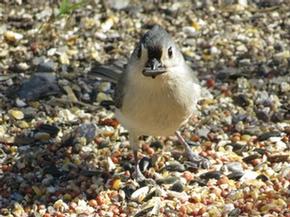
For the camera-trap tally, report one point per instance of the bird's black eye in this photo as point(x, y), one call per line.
point(170, 51)
point(139, 51)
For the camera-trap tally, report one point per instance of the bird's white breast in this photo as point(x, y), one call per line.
point(158, 106)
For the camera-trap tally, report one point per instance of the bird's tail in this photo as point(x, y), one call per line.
point(111, 71)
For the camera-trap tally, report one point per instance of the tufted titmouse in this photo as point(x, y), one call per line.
point(157, 93)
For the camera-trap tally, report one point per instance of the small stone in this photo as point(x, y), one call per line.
point(103, 97)
point(117, 184)
point(234, 166)
point(167, 180)
point(242, 100)
point(140, 194)
point(285, 87)
point(242, 48)
point(16, 114)
point(245, 137)
point(89, 131)
point(53, 171)
point(156, 144)
point(175, 166)
point(118, 4)
point(64, 59)
point(38, 86)
point(145, 164)
point(236, 175)
point(67, 197)
point(203, 132)
point(42, 136)
point(278, 158)
point(211, 175)
point(234, 213)
point(251, 157)
point(12, 36)
point(249, 175)
point(177, 186)
point(23, 124)
point(46, 66)
point(104, 86)
point(268, 135)
point(282, 55)
point(50, 129)
point(37, 190)
point(263, 115)
point(228, 208)
point(277, 117)
point(20, 103)
point(245, 62)
point(214, 50)
point(190, 31)
point(263, 177)
point(107, 25)
point(111, 165)
point(60, 204)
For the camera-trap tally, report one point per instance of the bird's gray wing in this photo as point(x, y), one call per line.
point(114, 72)
point(111, 71)
point(120, 91)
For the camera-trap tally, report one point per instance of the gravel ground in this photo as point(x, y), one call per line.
point(62, 153)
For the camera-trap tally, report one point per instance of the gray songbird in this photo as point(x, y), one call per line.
point(157, 93)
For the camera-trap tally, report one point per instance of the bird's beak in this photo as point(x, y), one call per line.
point(153, 68)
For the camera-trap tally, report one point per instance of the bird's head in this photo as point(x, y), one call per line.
point(156, 53)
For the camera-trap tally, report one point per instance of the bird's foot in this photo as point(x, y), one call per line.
point(197, 160)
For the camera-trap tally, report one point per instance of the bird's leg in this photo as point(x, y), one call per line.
point(137, 173)
point(192, 156)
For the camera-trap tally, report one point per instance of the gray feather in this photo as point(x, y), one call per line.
point(120, 91)
point(111, 71)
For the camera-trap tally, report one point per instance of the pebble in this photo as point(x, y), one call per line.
point(117, 184)
point(166, 180)
point(42, 136)
point(38, 86)
point(175, 166)
point(140, 194)
point(88, 131)
point(267, 135)
point(20, 103)
point(234, 166)
point(177, 186)
point(249, 175)
point(50, 129)
point(46, 66)
point(190, 31)
point(236, 175)
point(251, 157)
point(285, 87)
point(11, 36)
point(118, 4)
point(16, 114)
point(211, 175)
point(145, 164)
point(23, 124)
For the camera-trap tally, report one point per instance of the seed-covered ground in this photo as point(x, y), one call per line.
point(62, 152)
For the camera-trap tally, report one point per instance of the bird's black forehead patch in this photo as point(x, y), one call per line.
point(155, 52)
point(154, 40)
